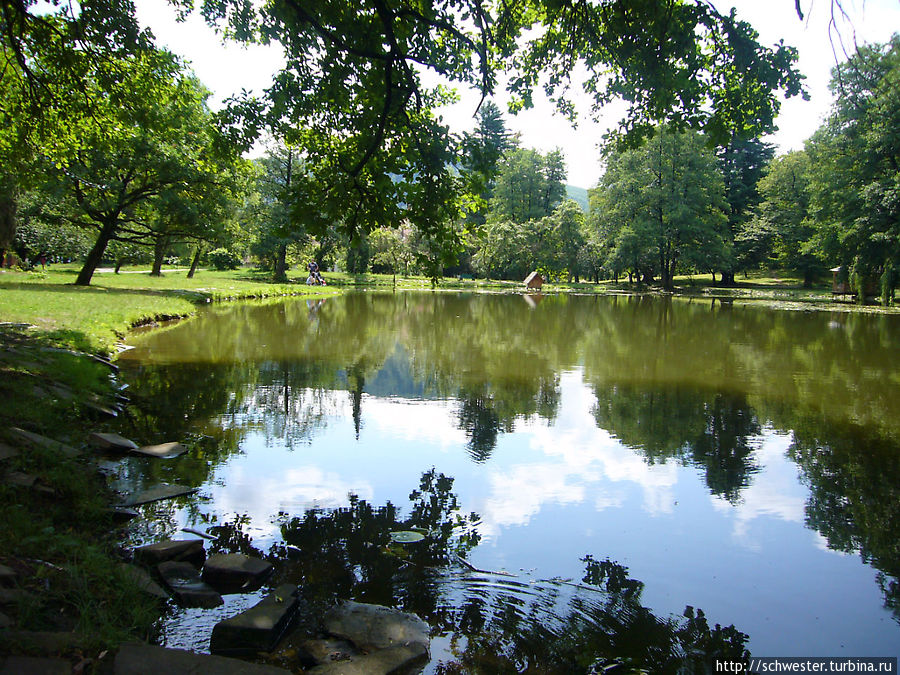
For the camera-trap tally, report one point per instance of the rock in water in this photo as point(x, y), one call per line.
point(179, 550)
point(163, 450)
point(184, 581)
point(380, 662)
point(104, 441)
point(139, 659)
point(372, 627)
point(259, 628)
point(232, 572)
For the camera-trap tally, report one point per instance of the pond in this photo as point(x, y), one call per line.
point(647, 479)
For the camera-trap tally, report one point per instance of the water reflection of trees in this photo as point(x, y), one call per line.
point(495, 624)
point(854, 481)
point(692, 381)
point(713, 431)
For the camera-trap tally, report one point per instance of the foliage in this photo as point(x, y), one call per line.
point(529, 186)
point(391, 248)
point(660, 208)
point(784, 213)
point(223, 259)
point(854, 160)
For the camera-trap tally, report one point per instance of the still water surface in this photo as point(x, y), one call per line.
point(624, 458)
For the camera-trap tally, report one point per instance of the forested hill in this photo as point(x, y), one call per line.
point(579, 195)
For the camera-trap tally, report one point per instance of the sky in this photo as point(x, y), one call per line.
point(226, 69)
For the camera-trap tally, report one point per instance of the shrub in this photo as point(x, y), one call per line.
point(223, 259)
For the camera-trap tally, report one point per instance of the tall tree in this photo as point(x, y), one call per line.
point(530, 185)
point(482, 150)
point(661, 207)
point(137, 153)
point(742, 162)
point(855, 167)
point(784, 215)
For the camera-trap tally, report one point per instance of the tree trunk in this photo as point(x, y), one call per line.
point(728, 278)
point(8, 208)
point(159, 253)
point(118, 265)
point(96, 254)
point(281, 264)
point(196, 261)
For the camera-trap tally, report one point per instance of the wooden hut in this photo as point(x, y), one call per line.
point(534, 281)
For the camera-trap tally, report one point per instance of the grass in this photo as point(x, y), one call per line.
point(93, 318)
point(58, 533)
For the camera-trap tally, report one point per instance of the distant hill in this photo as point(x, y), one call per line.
point(579, 195)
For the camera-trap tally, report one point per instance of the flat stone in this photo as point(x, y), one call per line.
point(13, 596)
point(34, 439)
point(163, 450)
point(34, 665)
point(157, 493)
point(327, 651)
point(259, 628)
point(372, 627)
point(150, 660)
point(380, 662)
point(42, 642)
point(6, 452)
point(109, 441)
point(184, 581)
point(144, 581)
point(19, 479)
point(120, 516)
point(235, 571)
point(175, 550)
point(7, 575)
point(100, 409)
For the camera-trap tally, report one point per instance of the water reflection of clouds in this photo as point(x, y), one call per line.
point(263, 495)
point(433, 422)
point(774, 491)
point(586, 463)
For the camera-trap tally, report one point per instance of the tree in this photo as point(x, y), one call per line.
point(784, 213)
point(137, 157)
point(855, 164)
point(391, 248)
point(530, 185)
point(742, 162)
point(661, 206)
point(482, 151)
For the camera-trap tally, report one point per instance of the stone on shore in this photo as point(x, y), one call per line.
point(6, 452)
point(138, 659)
point(380, 662)
point(184, 581)
point(259, 628)
point(144, 581)
point(37, 440)
point(8, 576)
point(235, 571)
point(34, 665)
point(110, 441)
point(156, 494)
point(177, 550)
point(372, 627)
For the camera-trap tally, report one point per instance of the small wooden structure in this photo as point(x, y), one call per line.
point(534, 281)
point(839, 286)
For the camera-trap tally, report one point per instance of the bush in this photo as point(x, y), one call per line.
point(223, 259)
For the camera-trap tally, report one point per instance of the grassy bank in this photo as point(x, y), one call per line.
point(58, 537)
point(94, 317)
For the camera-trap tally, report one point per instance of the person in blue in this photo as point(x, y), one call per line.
point(314, 277)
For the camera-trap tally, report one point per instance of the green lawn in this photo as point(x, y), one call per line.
point(92, 318)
